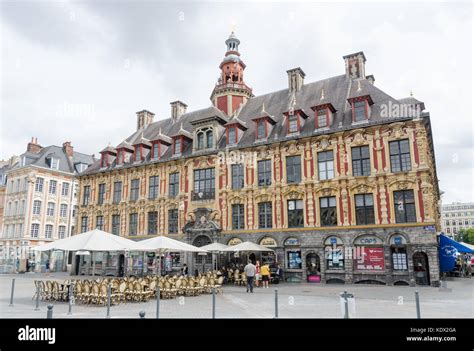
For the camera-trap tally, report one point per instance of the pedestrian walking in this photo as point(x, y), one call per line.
point(249, 270)
point(265, 271)
point(184, 270)
point(47, 266)
point(257, 273)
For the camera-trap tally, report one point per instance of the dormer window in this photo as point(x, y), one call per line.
point(178, 145)
point(360, 108)
point(53, 162)
point(205, 139)
point(156, 151)
point(138, 153)
point(323, 115)
point(121, 157)
point(293, 123)
point(261, 129)
point(232, 136)
point(360, 111)
point(81, 167)
point(103, 162)
point(295, 120)
point(234, 130)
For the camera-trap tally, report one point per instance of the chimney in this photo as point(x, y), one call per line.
point(295, 79)
point(144, 118)
point(68, 149)
point(355, 65)
point(178, 108)
point(371, 79)
point(33, 146)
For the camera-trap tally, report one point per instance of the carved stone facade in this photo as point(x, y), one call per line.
point(213, 217)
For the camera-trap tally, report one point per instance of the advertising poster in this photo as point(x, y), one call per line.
point(371, 259)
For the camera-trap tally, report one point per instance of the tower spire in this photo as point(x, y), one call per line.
point(231, 91)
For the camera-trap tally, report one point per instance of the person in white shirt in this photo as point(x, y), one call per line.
point(250, 270)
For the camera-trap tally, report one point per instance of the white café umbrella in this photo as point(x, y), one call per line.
point(214, 248)
point(247, 246)
point(94, 240)
point(161, 244)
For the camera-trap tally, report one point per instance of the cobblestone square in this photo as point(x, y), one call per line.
point(294, 301)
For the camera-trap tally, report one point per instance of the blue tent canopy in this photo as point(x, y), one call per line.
point(448, 249)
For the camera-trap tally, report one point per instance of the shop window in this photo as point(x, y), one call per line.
point(399, 258)
point(293, 259)
point(334, 253)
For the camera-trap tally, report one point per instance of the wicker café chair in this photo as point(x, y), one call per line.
point(218, 286)
point(243, 279)
point(151, 290)
point(94, 296)
point(171, 292)
point(129, 293)
point(37, 286)
point(122, 289)
point(103, 294)
point(86, 292)
point(44, 293)
point(237, 277)
point(180, 286)
point(138, 293)
point(78, 290)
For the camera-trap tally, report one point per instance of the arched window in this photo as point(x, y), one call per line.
point(200, 144)
point(210, 140)
point(205, 138)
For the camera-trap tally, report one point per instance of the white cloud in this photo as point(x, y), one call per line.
point(80, 71)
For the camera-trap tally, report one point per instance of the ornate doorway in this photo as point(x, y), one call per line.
point(202, 229)
point(202, 261)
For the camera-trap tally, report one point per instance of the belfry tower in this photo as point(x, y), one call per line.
point(230, 90)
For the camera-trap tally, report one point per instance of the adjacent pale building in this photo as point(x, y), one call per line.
point(39, 201)
point(456, 216)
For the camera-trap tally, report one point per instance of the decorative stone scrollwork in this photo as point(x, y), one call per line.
point(236, 199)
point(294, 194)
point(293, 148)
point(263, 197)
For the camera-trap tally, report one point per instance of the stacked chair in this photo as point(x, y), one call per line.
point(129, 289)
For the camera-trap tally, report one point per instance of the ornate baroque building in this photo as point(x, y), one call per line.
point(336, 176)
